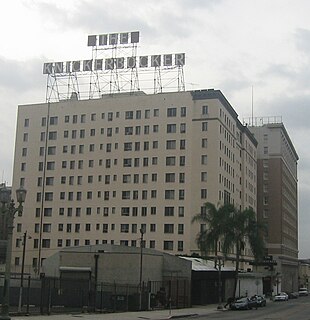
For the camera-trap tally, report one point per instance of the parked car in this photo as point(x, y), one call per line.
point(260, 300)
point(293, 295)
point(282, 296)
point(303, 292)
point(243, 304)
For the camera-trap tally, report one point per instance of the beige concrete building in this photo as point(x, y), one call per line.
point(98, 171)
point(277, 203)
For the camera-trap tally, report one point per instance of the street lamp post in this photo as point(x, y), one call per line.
point(141, 262)
point(22, 273)
point(8, 209)
point(219, 263)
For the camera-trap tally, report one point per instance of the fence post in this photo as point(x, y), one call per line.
point(42, 295)
point(28, 296)
point(101, 297)
point(114, 300)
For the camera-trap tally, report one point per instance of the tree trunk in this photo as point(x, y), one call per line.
point(236, 270)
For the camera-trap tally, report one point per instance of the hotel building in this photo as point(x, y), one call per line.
point(103, 170)
point(277, 199)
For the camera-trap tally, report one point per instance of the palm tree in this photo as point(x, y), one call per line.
point(234, 227)
point(242, 227)
point(215, 221)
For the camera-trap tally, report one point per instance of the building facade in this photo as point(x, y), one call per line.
point(277, 201)
point(103, 170)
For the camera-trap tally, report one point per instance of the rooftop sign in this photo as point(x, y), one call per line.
point(113, 39)
point(166, 60)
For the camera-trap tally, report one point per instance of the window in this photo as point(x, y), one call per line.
point(128, 131)
point(169, 211)
point(105, 228)
point(26, 123)
point(47, 227)
point(204, 126)
point(170, 177)
point(204, 159)
point(182, 127)
point(205, 110)
point(181, 177)
point(42, 136)
point(147, 114)
point(170, 161)
point(204, 193)
point(146, 129)
point(24, 152)
point(181, 211)
point(183, 111)
point(203, 176)
point(124, 228)
point(145, 162)
point(77, 228)
point(82, 134)
point(180, 246)
point(144, 211)
point(138, 114)
point(171, 112)
point(181, 194)
point(46, 243)
point(171, 128)
point(128, 146)
point(156, 113)
point(125, 211)
point(49, 181)
point(168, 228)
point(180, 228)
point(52, 135)
point(182, 144)
point(93, 117)
point(129, 115)
point(127, 162)
point(23, 166)
point(168, 245)
point(182, 161)
point(53, 120)
point(48, 196)
point(204, 143)
point(25, 137)
point(47, 212)
point(170, 144)
point(125, 195)
point(74, 118)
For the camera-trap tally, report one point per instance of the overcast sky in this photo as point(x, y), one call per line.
point(231, 45)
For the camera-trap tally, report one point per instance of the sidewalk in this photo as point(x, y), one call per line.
point(151, 315)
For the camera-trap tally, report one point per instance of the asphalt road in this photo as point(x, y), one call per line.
point(296, 309)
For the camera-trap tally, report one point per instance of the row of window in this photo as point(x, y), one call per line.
point(171, 128)
point(124, 228)
point(127, 162)
point(125, 195)
point(169, 211)
point(129, 115)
